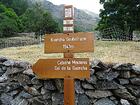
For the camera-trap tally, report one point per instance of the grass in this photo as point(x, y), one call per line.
point(107, 51)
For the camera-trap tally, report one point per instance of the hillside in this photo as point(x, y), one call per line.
point(84, 20)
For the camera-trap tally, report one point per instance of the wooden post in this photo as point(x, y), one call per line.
point(69, 91)
point(69, 87)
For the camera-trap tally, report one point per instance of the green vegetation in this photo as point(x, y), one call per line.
point(9, 21)
point(123, 14)
point(18, 16)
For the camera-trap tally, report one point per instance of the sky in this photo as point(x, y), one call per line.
point(91, 5)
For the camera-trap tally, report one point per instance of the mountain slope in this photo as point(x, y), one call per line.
point(84, 20)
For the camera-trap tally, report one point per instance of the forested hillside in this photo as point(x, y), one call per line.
point(39, 16)
point(84, 20)
point(25, 16)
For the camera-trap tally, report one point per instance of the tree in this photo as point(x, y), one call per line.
point(36, 19)
point(19, 6)
point(9, 22)
point(121, 13)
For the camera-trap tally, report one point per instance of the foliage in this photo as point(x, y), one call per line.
point(19, 6)
point(37, 20)
point(18, 16)
point(9, 21)
point(120, 13)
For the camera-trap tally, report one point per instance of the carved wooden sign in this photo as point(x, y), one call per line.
point(72, 42)
point(68, 67)
point(62, 68)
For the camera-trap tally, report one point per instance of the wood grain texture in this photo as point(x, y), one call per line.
point(82, 42)
point(55, 68)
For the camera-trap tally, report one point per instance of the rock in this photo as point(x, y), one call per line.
point(31, 90)
point(23, 79)
point(87, 85)
point(98, 64)
point(1, 71)
point(92, 71)
point(112, 98)
point(13, 70)
point(76, 99)
point(83, 100)
point(59, 85)
point(104, 101)
point(116, 102)
point(133, 75)
point(123, 67)
point(135, 90)
point(25, 95)
point(49, 85)
point(13, 93)
point(35, 81)
point(3, 59)
point(3, 87)
point(46, 93)
point(106, 85)
point(124, 94)
point(92, 80)
point(3, 78)
point(9, 63)
point(38, 86)
point(28, 72)
point(78, 87)
point(48, 102)
point(43, 90)
point(107, 75)
point(135, 81)
point(1, 64)
point(6, 99)
point(123, 81)
point(125, 74)
point(94, 63)
point(22, 64)
point(136, 69)
point(57, 99)
point(36, 101)
point(138, 101)
point(4, 68)
point(12, 86)
point(124, 102)
point(98, 93)
point(92, 101)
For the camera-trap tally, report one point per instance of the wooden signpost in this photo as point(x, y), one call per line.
point(68, 67)
point(72, 42)
point(62, 68)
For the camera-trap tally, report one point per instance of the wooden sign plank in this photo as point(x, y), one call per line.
point(72, 42)
point(62, 68)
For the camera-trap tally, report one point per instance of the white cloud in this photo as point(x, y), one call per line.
point(92, 5)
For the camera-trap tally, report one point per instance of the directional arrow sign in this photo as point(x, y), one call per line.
point(72, 42)
point(62, 68)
